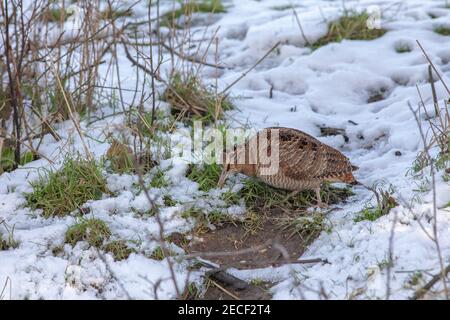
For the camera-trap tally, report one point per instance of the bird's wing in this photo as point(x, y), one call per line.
point(303, 157)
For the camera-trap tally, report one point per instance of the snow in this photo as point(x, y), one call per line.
point(329, 86)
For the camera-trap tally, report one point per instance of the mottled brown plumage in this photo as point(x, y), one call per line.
point(304, 162)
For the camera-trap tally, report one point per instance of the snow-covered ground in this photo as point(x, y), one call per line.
point(326, 87)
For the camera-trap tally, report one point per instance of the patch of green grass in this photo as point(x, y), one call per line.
point(168, 201)
point(61, 192)
point(384, 264)
point(206, 175)
point(231, 198)
point(418, 165)
point(403, 48)
point(443, 158)
point(7, 245)
point(192, 100)
point(191, 292)
point(385, 202)
point(161, 121)
point(257, 282)
point(253, 222)
point(282, 7)
point(10, 242)
point(376, 95)
point(256, 192)
point(351, 26)
point(152, 212)
point(370, 214)
point(415, 279)
point(158, 254)
point(216, 218)
point(26, 157)
point(441, 161)
point(442, 30)
point(7, 161)
point(192, 212)
point(178, 239)
point(93, 231)
point(118, 249)
point(422, 185)
point(187, 8)
point(159, 180)
point(120, 157)
point(56, 15)
point(162, 144)
point(446, 177)
point(57, 250)
point(204, 220)
point(307, 226)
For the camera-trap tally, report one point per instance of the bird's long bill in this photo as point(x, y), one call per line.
point(223, 178)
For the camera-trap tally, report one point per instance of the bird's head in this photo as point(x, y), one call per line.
point(232, 165)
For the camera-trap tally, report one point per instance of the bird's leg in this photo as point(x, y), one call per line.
point(320, 204)
point(290, 195)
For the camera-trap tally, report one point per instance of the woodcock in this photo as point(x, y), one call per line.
point(304, 163)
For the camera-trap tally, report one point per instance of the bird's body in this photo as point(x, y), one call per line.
point(303, 162)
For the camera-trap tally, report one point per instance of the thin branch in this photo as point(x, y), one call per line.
point(433, 179)
point(419, 294)
point(251, 68)
point(434, 68)
point(300, 27)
